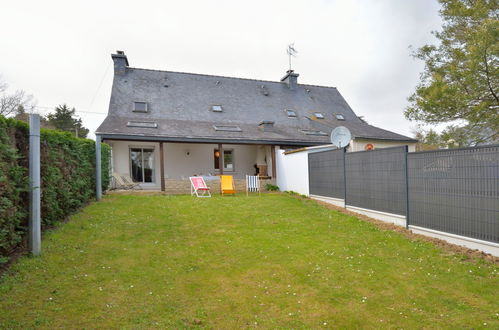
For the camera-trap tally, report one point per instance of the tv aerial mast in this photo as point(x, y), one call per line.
point(291, 53)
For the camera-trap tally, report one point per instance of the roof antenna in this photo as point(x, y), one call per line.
point(291, 52)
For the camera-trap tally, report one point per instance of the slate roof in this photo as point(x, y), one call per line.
point(180, 104)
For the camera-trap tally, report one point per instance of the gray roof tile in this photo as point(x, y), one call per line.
point(180, 103)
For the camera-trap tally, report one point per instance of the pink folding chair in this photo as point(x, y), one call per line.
point(199, 187)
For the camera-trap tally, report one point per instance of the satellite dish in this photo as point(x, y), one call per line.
point(341, 136)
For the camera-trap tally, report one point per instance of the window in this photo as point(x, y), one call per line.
point(139, 106)
point(291, 113)
point(216, 108)
point(143, 124)
point(228, 128)
point(228, 159)
point(339, 116)
point(142, 164)
point(318, 115)
point(312, 132)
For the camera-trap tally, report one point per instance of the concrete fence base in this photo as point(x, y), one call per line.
point(471, 243)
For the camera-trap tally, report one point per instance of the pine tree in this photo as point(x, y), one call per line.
point(64, 119)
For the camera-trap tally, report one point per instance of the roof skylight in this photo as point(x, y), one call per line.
point(319, 115)
point(312, 132)
point(143, 124)
point(216, 108)
point(291, 113)
point(140, 106)
point(339, 116)
point(227, 128)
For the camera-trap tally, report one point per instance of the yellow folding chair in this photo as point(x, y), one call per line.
point(227, 185)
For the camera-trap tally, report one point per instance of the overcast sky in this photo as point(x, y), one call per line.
point(59, 51)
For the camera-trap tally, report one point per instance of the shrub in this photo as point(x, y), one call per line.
point(67, 178)
point(271, 187)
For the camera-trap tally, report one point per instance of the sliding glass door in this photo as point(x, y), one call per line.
point(142, 164)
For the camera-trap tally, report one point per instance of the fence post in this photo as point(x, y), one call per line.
point(34, 183)
point(98, 168)
point(345, 177)
point(406, 187)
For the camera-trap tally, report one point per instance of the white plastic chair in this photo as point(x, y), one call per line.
point(199, 187)
point(252, 184)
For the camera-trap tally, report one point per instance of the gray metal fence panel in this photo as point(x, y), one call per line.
point(456, 191)
point(325, 171)
point(376, 180)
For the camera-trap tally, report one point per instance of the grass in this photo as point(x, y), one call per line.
point(273, 262)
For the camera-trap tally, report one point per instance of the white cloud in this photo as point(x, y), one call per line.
point(60, 50)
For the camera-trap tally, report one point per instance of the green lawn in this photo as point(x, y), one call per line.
point(272, 262)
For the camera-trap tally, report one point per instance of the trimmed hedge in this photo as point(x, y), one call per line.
point(67, 179)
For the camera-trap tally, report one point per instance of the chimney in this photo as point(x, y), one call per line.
point(291, 79)
point(120, 62)
point(266, 126)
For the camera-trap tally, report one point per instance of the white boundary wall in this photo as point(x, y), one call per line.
point(292, 171)
point(292, 168)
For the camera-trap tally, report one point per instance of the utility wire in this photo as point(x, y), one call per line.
point(49, 109)
point(100, 84)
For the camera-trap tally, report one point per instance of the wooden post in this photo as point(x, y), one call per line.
point(162, 166)
point(274, 171)
point(221, 159)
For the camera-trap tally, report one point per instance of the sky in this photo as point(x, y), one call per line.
point(60, 51)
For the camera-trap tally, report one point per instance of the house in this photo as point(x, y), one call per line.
point(164, 126)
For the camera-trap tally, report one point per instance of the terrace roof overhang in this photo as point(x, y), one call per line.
point(210, 140)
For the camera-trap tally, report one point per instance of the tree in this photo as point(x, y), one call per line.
point(22, 115)
point(451, 137)
point(64, 119)
point(460, 82)
point(427, 140)
point(10, 102)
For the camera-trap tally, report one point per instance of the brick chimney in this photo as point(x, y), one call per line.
point(290, 79)
point(120, 62)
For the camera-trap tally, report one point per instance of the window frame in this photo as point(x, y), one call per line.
point(319, 115)
point(340, 115)
point(147, 147)
point(142, 124)
point(142, 111)
point(225, 169)
point(291, 116)
point(217, 105)
point(227, 128)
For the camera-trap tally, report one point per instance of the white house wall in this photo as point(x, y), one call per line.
point(185, 159)
point(121, 159)
point(360, 145)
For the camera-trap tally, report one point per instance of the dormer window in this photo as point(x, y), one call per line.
point(318, 115)
point(339, 116)
point(139, 106)
point(216, 108)
point(291, 113)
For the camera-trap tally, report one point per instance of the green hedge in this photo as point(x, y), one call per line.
point(67, 177)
